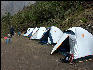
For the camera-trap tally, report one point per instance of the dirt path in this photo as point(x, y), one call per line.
point(25, 54)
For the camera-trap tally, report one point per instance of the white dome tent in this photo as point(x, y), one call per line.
point(55, 34)
point(39, 33)
point(52, 35)
point(29, 30)
point(33, 32)
point(80, 42)
point(45, 37)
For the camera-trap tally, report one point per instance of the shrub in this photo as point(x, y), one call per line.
point(84, 20)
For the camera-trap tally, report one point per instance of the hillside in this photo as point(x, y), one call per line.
point(63, 14)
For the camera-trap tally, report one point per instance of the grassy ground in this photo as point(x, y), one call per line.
point(25, 54)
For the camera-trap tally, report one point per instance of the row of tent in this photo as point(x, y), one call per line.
point(75, 40)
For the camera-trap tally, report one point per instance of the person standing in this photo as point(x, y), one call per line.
point(19, 32)
point(12, 31)
point(9, 37)
point(6, 39)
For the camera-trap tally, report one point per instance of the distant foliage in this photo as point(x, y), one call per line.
point(42, 13)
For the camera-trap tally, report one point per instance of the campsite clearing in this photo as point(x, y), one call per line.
point(25, 54)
